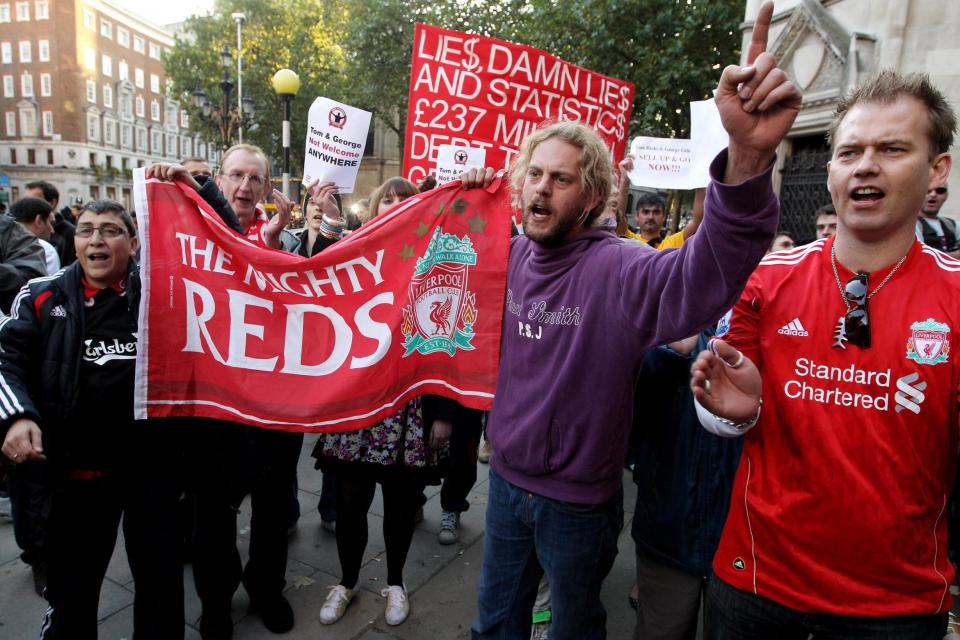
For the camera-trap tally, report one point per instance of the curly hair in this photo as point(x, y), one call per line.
point(595, 164)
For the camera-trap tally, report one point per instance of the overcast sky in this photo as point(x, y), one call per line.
point(166, 11)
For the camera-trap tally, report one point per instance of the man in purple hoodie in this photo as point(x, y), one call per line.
point(582, 308)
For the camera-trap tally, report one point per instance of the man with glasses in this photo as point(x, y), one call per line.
point(244, 179)
point(838, 521)
point(932, 230)
point(67, 357)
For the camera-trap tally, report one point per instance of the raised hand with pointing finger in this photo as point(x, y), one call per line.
point(757, 105)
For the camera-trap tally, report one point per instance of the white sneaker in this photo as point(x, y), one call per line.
point(398, 607)
point(336, 604)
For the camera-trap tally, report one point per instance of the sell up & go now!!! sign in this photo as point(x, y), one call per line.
point(474, 91)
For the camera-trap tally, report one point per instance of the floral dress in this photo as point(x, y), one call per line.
point(398, 442)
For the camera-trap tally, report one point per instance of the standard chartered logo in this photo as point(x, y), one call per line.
point(909, 395)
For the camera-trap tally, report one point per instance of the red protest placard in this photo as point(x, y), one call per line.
point(410, 304)
point(474, 91)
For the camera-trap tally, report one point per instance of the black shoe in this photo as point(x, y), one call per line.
point(216, 626)
point(276, 613)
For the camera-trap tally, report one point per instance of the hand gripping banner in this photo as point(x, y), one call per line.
point(410, 304)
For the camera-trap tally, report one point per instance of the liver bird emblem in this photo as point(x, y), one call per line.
point(440, 315)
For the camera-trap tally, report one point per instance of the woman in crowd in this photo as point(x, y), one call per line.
point(402, 453)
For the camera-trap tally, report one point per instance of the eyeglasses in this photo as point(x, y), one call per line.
point(857, 321)
point(941, 190)
point(255, 179)
point(106, 231)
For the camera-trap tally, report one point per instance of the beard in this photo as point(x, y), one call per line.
point(553, 235)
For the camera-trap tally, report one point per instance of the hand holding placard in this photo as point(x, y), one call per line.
point(336, 136)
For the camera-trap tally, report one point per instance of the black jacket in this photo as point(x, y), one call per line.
point(21, 258)
point(41, 341)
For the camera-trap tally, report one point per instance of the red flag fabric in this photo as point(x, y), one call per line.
point(410, 304)
point(473, 91)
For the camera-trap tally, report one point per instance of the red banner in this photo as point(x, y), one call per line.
point(474, 91)
point(410, 304)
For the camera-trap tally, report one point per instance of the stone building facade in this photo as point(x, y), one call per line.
point(829, 46)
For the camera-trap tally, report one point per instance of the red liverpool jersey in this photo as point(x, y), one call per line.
point(840, 501)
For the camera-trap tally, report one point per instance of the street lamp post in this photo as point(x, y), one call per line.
point(239, 17)
point(286, 83)
point(226, 118)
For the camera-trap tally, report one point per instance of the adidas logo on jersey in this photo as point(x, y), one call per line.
point(793, 328)
point(58, 312)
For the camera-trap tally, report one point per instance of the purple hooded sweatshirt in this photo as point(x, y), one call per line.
point(577, 321)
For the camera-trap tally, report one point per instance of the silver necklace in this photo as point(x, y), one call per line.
point(840, 333)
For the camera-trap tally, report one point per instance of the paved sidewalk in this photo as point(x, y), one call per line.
point(442, 580)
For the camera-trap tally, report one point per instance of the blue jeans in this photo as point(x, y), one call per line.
point(740, 615)
point(527, 536)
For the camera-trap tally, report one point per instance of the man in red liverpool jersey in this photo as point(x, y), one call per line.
point(838, 520)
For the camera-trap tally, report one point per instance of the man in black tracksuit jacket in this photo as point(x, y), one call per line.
point(66, 395)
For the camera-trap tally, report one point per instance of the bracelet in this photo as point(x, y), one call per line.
point(741, 426)
point(333, 222)
point(330, 232)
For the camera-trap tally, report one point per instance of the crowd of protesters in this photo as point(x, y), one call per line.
point(794, 460)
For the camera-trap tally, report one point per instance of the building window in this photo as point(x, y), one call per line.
point(6, 52)
point(8, 91)
point(155, 110)
point(11, 123)
point(106, 29)
point(154, 51)
point(4, 12)
point(172, 116)
point(140, 106)
point(89, 19)
point(154, 83)
point(93, 131)
point(26, 51)
point(109, 132)
point(42, 9)
point(185, 147)
point(28, 122)
point(50, 157)
point(171, 145)
point(26, 85)
point(184, 120)
point(90, 59)
point(126, 105)
point(126, 136)
point(123, 70)
point(13, 160)
point(156, 142)
point(141, 139)
point(123, 37)
point(48, 124)
point(23, 11)
point(91, 91)
point(108, 96)
point(31, 156)
point(44, 47)
point(106, 62)
point(138, 44)
point(46, 86)
point(138, 77)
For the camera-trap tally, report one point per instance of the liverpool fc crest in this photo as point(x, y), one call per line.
point(929, 342)
point(442, 311)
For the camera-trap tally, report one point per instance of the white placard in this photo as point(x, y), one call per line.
point(677, 163)
point(336, 135)
point(453, 160)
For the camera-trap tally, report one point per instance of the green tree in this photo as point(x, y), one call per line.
point(303, 35)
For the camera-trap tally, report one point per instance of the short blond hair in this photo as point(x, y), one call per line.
point(595, 164)
point(250, 148)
